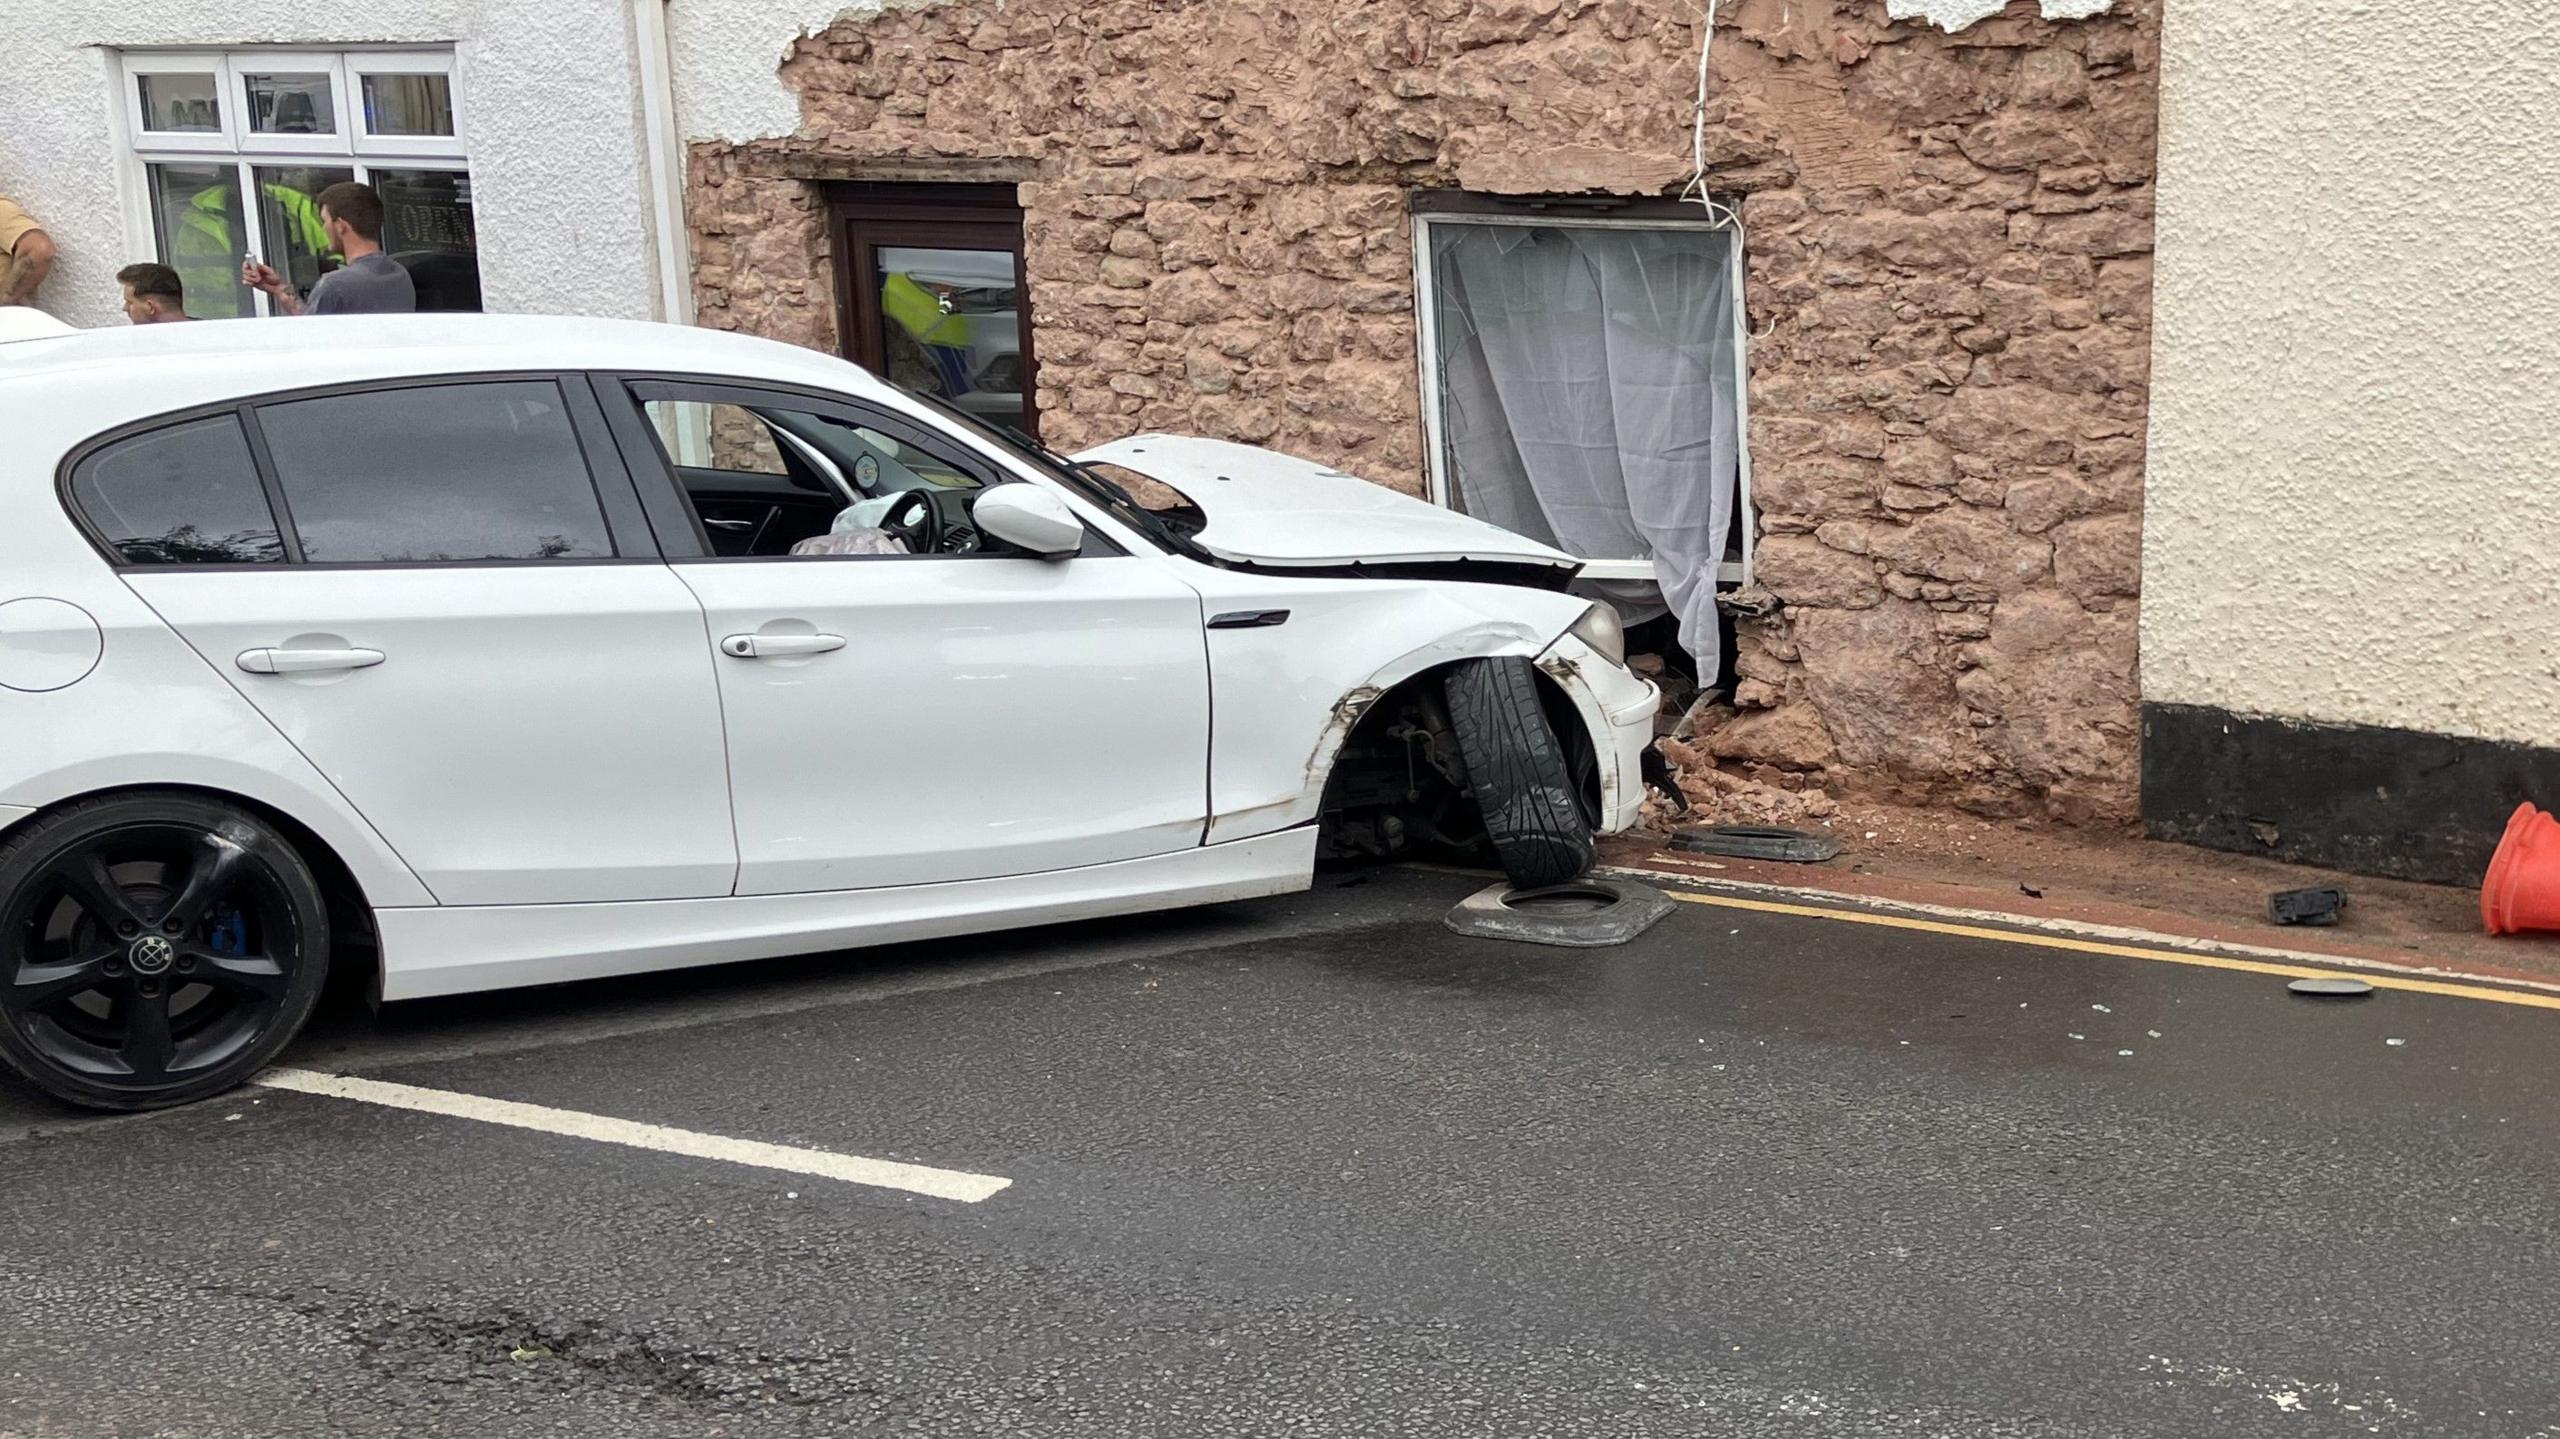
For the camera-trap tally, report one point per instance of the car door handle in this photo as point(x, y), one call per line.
point(295, 662)
point(729, 524)
point(1248, 619)
point(756, 647)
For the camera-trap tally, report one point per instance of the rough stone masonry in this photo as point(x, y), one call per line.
point(1948, 239)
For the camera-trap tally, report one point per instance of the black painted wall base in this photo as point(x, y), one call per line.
point(2400, 803)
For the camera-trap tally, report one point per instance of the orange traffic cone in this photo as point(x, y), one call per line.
point(2522, 890)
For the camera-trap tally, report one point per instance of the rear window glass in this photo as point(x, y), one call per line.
point(486, 471)
point(186, 495)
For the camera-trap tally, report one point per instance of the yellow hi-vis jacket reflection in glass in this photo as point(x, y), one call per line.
point(206, 253)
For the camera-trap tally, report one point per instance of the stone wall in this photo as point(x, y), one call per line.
point(1948, 242)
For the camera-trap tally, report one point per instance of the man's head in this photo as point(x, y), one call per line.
point(152, 293)
point(352, 214)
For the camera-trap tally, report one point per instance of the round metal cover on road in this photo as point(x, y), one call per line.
point(2331, 988)
point(1579, 914)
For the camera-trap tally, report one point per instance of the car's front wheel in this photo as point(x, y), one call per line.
point(155, 948)
point(1520, 772)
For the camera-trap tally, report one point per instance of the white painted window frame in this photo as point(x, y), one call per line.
point(239, 65)
point(234, 144)
point(1730, 573)
point(360, 63)
point(218, 140)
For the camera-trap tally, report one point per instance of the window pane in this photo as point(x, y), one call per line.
point(180, 104)
point(437, 472)
point(196, 221)
point(883, 464)
point(408, 104)
point(290, 104)
point(702, 436)
point(289, 220)
point(427, 226)
point(185, 495)
point(951, 325)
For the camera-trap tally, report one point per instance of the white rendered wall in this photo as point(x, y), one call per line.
point(2353, 509)
point(726, 57)
point(550, 111)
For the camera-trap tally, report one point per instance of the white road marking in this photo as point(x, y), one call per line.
point(850, 1168)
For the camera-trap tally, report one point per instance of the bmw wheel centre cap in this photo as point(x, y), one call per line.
point(151, 954)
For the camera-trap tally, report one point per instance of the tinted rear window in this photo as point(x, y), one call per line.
point(186, 495)
point(436, 472)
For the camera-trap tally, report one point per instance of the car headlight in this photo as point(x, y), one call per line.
point(1601, 629)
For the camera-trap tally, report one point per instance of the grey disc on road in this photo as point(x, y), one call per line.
point(1587, 913)
point(2331, 988)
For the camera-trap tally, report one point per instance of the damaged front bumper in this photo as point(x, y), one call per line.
point(1617, 707)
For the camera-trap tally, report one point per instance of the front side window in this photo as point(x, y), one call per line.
point(479, 471)
point(775, 479)
point(185, 495)
point(236, 146)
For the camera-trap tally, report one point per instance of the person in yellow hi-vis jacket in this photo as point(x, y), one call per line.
point(205, 243)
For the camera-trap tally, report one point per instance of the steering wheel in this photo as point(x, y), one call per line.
point(916, 522)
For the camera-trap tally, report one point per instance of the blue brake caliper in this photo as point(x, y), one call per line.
point(229, 933)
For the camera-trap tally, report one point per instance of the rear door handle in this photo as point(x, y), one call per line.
point(294, 662)
point(756, 647)
point(730, 524)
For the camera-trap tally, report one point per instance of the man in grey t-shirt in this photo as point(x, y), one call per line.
point(369, 283)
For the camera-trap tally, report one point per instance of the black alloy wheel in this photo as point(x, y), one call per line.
point(154, 949)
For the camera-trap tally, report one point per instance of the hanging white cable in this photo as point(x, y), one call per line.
point(1717, 211)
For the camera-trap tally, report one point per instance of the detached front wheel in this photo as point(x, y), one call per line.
point(154, 949)
point(1520, 772)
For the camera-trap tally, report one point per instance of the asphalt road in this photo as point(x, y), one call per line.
point(1316, 1167)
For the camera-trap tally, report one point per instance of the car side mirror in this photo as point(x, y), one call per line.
point(1029, 518)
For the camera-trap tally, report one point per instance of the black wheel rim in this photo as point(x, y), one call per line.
point(143, 956)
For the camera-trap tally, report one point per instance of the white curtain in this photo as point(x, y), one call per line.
point(1588, 380)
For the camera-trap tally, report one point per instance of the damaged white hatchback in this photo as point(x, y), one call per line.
point(480, 651)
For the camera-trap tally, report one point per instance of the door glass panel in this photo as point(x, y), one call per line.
point(297, 245)
point(884, 464)
point(186, 495)
point(408, 104)
point(703, 436)
point(196, 218)
point(436, 472)
point(951, 325)
point(290, 104)
point(427, 226)
point(180, 104)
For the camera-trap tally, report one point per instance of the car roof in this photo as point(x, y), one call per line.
point(98, 379)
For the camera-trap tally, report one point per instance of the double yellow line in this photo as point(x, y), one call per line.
point(2379, 979)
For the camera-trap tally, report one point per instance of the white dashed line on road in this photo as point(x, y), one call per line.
point(850, 1168)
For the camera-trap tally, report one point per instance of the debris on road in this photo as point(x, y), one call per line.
point(1714, 795)
point(1750, 841)
point(2331, 988)
point(2522, 888)
point(1587, 913)
point(2306, 906)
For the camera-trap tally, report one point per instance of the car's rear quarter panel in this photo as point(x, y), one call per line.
point(150, 712)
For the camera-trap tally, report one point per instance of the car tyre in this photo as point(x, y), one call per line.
point(1519, 772)
point(155, 948)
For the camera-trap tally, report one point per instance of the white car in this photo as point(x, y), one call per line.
point(475, 650)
